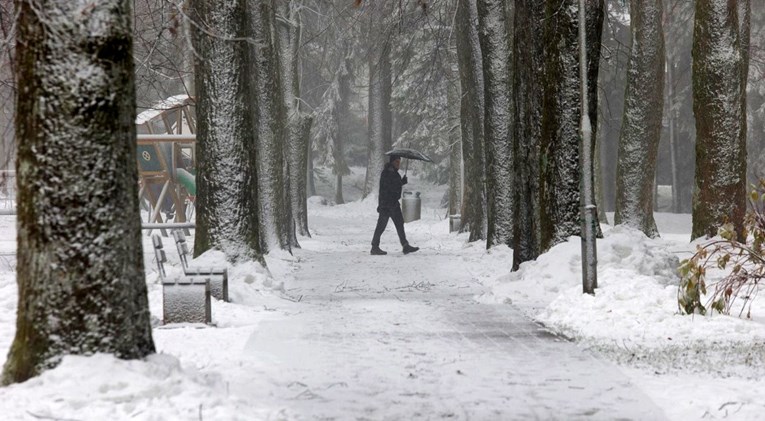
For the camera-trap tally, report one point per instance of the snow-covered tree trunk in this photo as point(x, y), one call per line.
point(299, 134)
point(455, 135)
point(493, 33)
point(672, 138)
point(720, 111)
point(528, 59)
point(226, 177)
point(298, 123)
point(472, 117)
point(641, 123)
point(379, 120)
point(80, 266)
point(560, 166)
point(340, 115)
point(269, 116)
point(309, 171)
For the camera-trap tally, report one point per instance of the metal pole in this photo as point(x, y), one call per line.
point(589, 212)
point(167, 225)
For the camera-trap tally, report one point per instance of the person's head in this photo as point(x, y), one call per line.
point(395, 161)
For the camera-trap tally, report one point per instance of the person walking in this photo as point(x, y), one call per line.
point(389, 207)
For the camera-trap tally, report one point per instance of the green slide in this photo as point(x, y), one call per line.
point(187, 180)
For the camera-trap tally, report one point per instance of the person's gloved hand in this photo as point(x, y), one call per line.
point(404, 180)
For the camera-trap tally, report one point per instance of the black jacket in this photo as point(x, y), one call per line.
point(390, 187)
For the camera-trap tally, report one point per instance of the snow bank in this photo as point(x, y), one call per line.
point(102, 387)
point(633, 316)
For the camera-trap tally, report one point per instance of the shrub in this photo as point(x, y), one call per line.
point(742, 263)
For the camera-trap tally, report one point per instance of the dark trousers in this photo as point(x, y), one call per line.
point(382, 222)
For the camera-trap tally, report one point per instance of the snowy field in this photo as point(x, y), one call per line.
point(333, 333)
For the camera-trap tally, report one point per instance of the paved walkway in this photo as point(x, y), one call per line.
point(414, 344)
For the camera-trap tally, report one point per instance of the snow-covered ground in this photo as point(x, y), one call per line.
point(333, 333)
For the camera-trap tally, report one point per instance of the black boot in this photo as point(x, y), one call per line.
point(409, 249)
point(376, 251)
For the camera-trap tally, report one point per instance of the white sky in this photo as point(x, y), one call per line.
point(333, 332)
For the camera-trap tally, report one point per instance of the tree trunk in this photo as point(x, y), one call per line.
point(379, 120)
point(298, 124)
point(226, 178)
point(471, 116)
point(560, 143)
point(309, 170)
point(300, 134)
point(269, 116)
point(80, 265)
point(672, 138)
point(560, 166)
point(497, 121)
point(528, 54)
point(720, 110)
point(340, 116)
point(641, 122)
point(455, 138)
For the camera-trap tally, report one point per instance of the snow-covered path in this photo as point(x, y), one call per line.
point(401, 337)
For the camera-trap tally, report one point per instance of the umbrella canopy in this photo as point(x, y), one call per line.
point(410, 154)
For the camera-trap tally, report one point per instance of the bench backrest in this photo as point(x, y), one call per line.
point(159, 254)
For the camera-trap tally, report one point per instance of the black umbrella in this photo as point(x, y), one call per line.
point(410, 154)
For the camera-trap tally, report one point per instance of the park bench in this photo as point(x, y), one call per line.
point(185, 299)
point(218, 275)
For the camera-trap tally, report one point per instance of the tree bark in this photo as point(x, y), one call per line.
point(80, 265)
point(379, 120)
point(298, 123)
point(472, 121)
point(720, 110)
point(340, 116)
point(560, 167)
point(528, 67)
point(455, 137)
point(226, 178)
point(641, 123)
point(497, 121)
point(276, 228)
point(300, 133)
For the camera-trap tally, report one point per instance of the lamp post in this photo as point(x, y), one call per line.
point(588, 209)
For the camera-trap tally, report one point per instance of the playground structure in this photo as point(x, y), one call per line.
point(166, 157)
